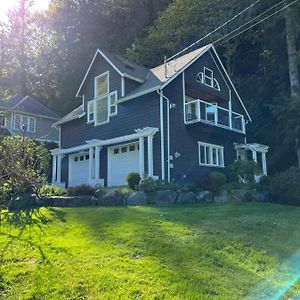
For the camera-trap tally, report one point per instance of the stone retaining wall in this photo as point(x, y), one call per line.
point(116, 198)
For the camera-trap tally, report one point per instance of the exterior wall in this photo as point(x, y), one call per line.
point(44, 129)
point(130, 85)
point(184, 139)
point(134, 114)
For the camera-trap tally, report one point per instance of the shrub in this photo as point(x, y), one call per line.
point(133, 180)
point(49, 191)
point(213, 181)
point(285, 187)
point(150, 185)
point(265, 181)
point(6, 193)
point(245, 170)
point(24, 163)
point(82, 190)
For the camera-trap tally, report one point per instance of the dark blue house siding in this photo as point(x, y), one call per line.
point(184, 139)
point(133, 114)
point(99, 67)
point(130, 85)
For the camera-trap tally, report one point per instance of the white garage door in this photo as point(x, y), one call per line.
point(123, 160)
point(79, 169)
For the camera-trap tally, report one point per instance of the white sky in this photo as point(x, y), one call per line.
point(5, 5)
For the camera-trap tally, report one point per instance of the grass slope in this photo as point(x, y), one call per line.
point(162, 252)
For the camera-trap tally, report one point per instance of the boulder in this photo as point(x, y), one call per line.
point(238, 195)
point(137, 198)
point(221, 197)
point(164, 197)
point(257, 196)
point(22, 202)
point(111, 198)
point(75, 201)
point(204, 196)
point(186, 197)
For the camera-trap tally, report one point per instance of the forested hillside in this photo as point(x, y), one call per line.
point(46, 54)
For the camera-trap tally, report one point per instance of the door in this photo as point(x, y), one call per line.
point(79, 169)
point(122, 160)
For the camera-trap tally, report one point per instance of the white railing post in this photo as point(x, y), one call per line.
point(97, 163)
point(150, 155)
point(59, 159)
point(264, 164)
point(91, 154)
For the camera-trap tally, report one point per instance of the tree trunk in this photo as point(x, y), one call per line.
point(293, 66)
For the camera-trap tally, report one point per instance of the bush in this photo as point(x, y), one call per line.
point(150, 185)
point(133, 180)
point(245, 170)
point(285, 187)
point(265, 181)
point(6, 193)
point(82, 190)
point(49, 191)
point(213, 182)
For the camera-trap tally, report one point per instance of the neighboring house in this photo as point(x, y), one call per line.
point(25, 116)
point(176, 122)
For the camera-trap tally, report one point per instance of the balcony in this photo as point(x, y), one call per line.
point(210, 113)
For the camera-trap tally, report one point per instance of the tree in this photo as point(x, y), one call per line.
point(24, 165)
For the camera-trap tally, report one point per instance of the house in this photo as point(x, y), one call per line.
point(25, 116)
point(175, 122)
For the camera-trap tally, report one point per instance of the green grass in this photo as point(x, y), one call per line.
point(221, 251)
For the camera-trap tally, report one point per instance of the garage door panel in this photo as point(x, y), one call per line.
point(79, 169)
point(123, 160)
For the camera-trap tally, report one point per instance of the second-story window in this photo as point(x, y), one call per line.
point(90, 109)
point(2, 120)
point(113, 108)
point(102, 85)
point(207, 77)
point(24, 123)
point(211, 112)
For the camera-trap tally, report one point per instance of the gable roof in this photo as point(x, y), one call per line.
point(123, 66)
point(30, 105)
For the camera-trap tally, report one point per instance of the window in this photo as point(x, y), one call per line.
point(101, 110)
point(101, 85)
point(207, 77)
point(124, 149)
point(211, 155)
point(2, 121)
point(90, 108)
point(116, 151)
point(211, 112)
point(113, 108)
point(132, 148)
point(24, 123)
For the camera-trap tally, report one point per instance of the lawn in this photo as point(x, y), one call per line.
point(219, 251)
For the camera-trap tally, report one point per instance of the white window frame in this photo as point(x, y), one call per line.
point(90, 103)
point(209, 162)
point(95, 110)
point(201, 78)
point(22, 117)
point(214, 105)
point(113, 105)
point(95, 84)
point(4, 121)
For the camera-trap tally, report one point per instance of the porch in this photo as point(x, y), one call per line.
point(85, 160)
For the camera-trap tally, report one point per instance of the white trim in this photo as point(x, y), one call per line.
point(211, 147)
point(142, 156)
point(60, 122)
point(98, 51)
point(95, 84)
point(150, 155)
point(110, 105)
point(184, 97)
point(89, 121)
point(133, 78)
point(227, 75)
point(126, 138)
point(95, 109)
point(22, 116)
point(139, 94)
point(162, 139)
point(123, 88)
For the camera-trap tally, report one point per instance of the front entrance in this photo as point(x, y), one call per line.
point(122, 160)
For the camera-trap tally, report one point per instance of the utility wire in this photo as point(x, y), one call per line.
point(260, 21)
point(215, 30)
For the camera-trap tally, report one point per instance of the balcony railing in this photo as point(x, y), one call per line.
point(201, 111)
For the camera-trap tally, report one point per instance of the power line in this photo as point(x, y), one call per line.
point(215, 30)
point(260, 21)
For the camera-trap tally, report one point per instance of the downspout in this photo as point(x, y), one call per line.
point(162, 97)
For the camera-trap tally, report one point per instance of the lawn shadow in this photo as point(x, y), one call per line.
point(26, 221)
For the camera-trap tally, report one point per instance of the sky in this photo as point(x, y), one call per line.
point(5, 5)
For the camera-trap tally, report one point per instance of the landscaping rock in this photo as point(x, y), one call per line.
point(257, 196)
point(221, 197)
point(22, 203)
point(186, 197)
point(112, 198)
point(164, 197)
point(205, 196)
point(137, 198)
point(238, 195)
point(76, 201)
